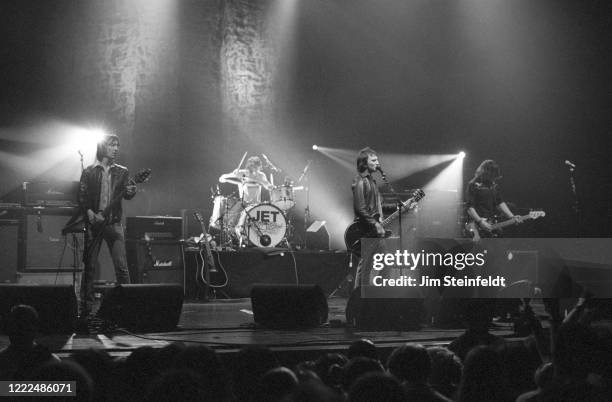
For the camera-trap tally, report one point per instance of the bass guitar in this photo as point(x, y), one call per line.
point(354, 233)
point(476, 231)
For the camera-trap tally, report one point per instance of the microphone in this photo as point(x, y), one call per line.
point(270, 163)
point(570, 164)
point(305, 171)
point(384, 176)
point(265, 240)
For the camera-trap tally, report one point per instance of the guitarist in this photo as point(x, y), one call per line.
point(367, 203)
point(483, 198)
point(102, 187)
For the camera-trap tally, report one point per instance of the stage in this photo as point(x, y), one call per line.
point(227, 326)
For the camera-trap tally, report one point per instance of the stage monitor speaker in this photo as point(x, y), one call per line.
point(384, 314)
point(317, 237)
point(143, 308)
point(9, 231)
point(289, 306)
point(56, 305)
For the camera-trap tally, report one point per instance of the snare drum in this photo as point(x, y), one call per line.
point(264, 225)
point(282, 197)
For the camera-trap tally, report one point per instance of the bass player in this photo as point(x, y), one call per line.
point(484, 200)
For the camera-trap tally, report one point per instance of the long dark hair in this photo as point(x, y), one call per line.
point(253, 163)
point(488, 171)
point(362, 158)
point(102, 143)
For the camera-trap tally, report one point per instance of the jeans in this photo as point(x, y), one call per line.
point(115, 239)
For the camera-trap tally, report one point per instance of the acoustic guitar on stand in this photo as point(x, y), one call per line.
point(210, 261)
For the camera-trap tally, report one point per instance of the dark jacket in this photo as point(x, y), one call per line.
point(89, 190)
point(484, 197)
point(366, 200)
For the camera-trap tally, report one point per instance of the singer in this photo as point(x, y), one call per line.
point(367, 203)
point(102, 187)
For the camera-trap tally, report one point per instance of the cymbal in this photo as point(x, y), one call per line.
point(229, 178)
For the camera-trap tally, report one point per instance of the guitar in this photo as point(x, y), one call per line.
point(78, 222)
point(209, 257)
point(476, 231)
point(354, 233)
point(141, 177)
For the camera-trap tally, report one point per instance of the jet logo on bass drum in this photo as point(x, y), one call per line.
point(265, 216)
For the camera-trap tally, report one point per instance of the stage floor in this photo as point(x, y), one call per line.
point(227, 326)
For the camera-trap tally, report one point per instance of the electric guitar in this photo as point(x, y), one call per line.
point(141, 177)
point(474, 230)
point(354, 233)
point(209, 257)
point(79, 222)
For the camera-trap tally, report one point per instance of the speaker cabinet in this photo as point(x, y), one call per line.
point(289, 306)
point(46, 249)
point(56, 305)
point(384, 314)
point(143, 308)
point(9, 232)
point(156, 261)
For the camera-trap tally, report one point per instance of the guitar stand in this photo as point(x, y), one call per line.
point(207, 288)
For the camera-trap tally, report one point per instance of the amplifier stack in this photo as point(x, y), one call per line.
point(154, 246)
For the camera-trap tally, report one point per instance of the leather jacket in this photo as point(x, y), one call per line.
point(366, 200)
point(89, 190)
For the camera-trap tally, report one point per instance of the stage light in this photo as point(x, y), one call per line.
point(315, 147)
point(461, 155)
point(85, 138)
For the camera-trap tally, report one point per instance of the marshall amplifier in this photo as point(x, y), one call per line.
point(155, 261)
point(154, 228)
point(50, 193)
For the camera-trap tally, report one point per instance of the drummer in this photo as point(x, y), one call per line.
point(249, 180)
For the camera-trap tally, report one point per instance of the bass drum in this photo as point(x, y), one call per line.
point(264, 225)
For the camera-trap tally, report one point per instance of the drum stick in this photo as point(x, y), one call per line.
point(242, 160)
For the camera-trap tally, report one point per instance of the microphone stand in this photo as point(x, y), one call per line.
point(576, 203)
point(399, 204)
point(304, 176)
point(75, 241)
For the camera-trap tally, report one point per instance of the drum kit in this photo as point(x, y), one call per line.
point(258, 224)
